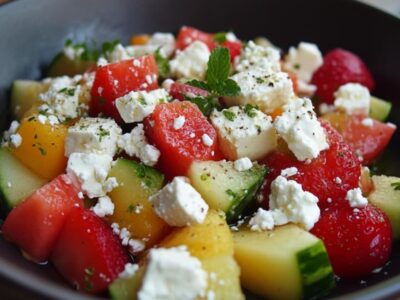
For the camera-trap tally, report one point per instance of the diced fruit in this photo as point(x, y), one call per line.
point(63, 65)
point(295, 82)
point(358, 240)
point(136, 183)
point(286, 263)
point(386, 196)
point(116, 80)
point(127, 288)
point(140, 39)
point(35, 224)
point(225, 188)
point(319, 176)
point(24, 93)
point(368, 140)
point(42, 147)
point(340, 67)
point(188, 35)
point(16, 181)
point(366, 184)
point(87, 253)
point(379, 109)
point(215, 252)
point(180, 91)
point(195, 140)
point(234, 47)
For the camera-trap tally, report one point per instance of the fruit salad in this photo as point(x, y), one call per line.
point(200, 166)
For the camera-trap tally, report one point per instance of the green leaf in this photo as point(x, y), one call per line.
point(198, 84)
point(219, 65)
point(220, 37)
point(108, 47)
point(205, 104)
point(228, 88)
point(162, 64)
point(250, 110)
point(396, 186)
point(229, 115)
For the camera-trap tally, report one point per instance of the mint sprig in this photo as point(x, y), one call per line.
point(162, 64)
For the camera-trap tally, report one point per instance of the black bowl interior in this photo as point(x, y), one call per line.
point(31, 33)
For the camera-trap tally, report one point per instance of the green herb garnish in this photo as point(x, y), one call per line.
point(109, 47)
point(220, 37)
point(67, 91)
point(42, 151)
point(205, 104)
point(250, 110)
point(229, 115)
point(396, 186)
point(102, 133)
point(162, 64)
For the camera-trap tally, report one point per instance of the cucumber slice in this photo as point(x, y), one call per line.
point(286, 263)
point(224, 188)
point(379, 109)
point(24, 93)
point(62, 65)
point(16, 181)
point(387, 198)
point(126, 288)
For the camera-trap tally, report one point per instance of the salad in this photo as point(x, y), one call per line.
point(198, 166)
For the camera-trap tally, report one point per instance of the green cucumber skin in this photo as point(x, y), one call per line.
point(241, 204)
point(316, 271)
point(380, 109)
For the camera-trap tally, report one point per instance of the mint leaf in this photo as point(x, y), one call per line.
point(229, 115)
point(205, 104)
point(199, 84)
point(162, 64)
point(219, 65)
point(396, 186)
point(220, 37)
point(108, 47)
point(228, 88)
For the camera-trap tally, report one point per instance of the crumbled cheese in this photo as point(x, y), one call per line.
point(165, 42)
point(11, 132)
point(352, 98)
point(289, 172)
point(191, 62)
point(118, 53)
point(306, 89)
point(104, 207)
point(15, 140)
point(256, 56)
point(101, 62)
point(167, 83)
point(93, 135)
point(244, 134)
point(367, 122)
point(303, 61)
point(135, 106)
point(356, 199)
point(110, 184)
point(179, 122)
point(338, 180)
point(262, 220)
point(136, 246)
point(257, 87)
point(179, 204)
point(167, 275)
point(129, 271)
point(300, 128)
point(326, 108)
point(135, 144)
point(73, 52)
point(91, 171)
point(207, 140)
point(243, 164)
point(80, 195)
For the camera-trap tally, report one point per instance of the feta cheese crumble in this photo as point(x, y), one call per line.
point(258, 87)
point(93, 135)
point(179, 122)
point(243, 164)
point(129, 271)
point(352, 98)
point(244, 132)
point(289, 172)
point(104, 207)
point(191, 62)
point(356, 199)
point(179, 204)
point(303, 60)
point(257, 56)
point(300, 128)
point(367, 122)
point(135, 144)
point(173, 274)
point(135, 106)
point(207, 140)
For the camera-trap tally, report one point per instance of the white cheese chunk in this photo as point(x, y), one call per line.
point(10, 137)
point(165, 42)
point(356, 199)
point(135, 144)
point(104, 207)
point(243, 164)
point(289, 172)
point(257, 56)
point(300, 128)
point(244, 134)
point(173, 274)
point(257, 87)
point(93, 135)
point(298, 206)
point(91, 171)
point(303, 61)
point(179, 204)
point(135, 106)
point(367, 122)
point(179, 122)
point(73, 52)
point(129, 271)
point(352, 98)
point(191, 62)
point(262, 220)
point(15, 140)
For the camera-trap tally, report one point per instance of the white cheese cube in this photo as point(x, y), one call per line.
point(91, 171)
point(173, 274)
point(93, 135)
point(267, 91)
point(257, 56)
point(135, 144)
point(179, 204)
point(191, 62)
point(244, 134)
point(352, 98)
point(135, 106)
point(300, 128)
point(303, 61)
point(243, 164)
point(356, 199)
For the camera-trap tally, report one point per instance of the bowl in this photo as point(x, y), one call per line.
point(31, 33)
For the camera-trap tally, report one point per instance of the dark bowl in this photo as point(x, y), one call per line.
point(32, 32)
